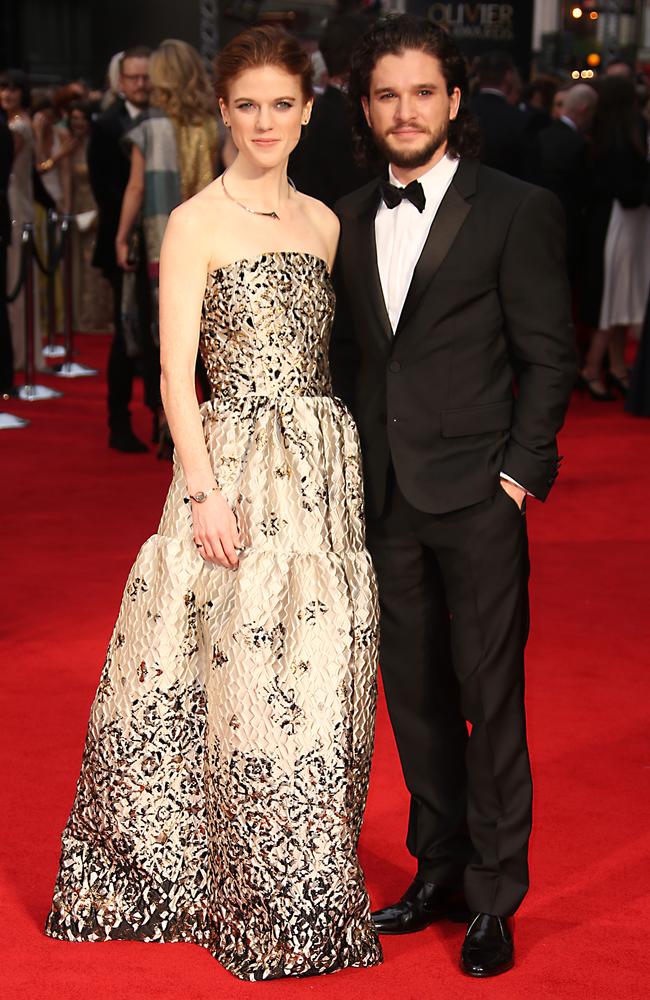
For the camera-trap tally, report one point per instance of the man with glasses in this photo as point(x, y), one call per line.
point(109, 174)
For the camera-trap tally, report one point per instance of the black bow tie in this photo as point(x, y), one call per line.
point(413, 192)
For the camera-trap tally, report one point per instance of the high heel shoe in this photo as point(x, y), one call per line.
point(595, 388)
point(618, 382)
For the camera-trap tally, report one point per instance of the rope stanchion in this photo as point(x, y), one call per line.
point(30, 391)
point(69, 368)
point(51, 349)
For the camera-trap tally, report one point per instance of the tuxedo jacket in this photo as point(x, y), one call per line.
point(108, 172)
point(477, 377)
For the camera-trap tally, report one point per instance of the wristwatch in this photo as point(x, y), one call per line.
point(201, 496)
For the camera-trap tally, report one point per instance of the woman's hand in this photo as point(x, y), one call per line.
point(215, 531)
point(122, 254)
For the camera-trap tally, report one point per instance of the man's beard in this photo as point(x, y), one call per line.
point(410, 158)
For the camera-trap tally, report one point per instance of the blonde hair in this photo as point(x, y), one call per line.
point(180, 84)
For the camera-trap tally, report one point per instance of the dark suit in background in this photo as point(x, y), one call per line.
point(563, 167)
point(6, 349)
point(323, 163)
point(504, 143)
point(488, 306)
point(109, 169)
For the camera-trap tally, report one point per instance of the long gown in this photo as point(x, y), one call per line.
point(226, 765)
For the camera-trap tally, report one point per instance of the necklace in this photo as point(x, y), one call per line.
point(267, 215)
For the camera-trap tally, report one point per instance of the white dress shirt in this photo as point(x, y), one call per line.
point(402, 232)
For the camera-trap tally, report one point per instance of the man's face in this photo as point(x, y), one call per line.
point(408, 108)
point(134, 81)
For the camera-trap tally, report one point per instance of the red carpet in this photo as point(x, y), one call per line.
point(74, 516)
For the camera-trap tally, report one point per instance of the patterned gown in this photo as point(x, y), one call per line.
point(226, 764)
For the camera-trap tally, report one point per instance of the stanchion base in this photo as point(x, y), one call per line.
point(31, 393)
point(70, 369)
point(8, 422)
point(54, 351)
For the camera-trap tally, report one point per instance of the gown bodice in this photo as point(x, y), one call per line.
point(265, 328)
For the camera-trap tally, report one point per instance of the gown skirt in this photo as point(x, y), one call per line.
point(226, 764)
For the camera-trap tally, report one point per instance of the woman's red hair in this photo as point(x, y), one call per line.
point(263, 45)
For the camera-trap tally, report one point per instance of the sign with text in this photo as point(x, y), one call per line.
point(480, 27)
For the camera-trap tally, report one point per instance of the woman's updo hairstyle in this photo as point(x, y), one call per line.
point(263, 45)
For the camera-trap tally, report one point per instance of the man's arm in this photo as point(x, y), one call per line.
point(534, 292)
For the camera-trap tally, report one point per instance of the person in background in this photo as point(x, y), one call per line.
point(564, 164)
point(52, 146)
point(6, 349)
point(323, 164)
point(616, 262)
point(557, 107)
point(92, 293)
point(503, 144)
point(108, 172)
point(537, 104)
point(15, 98)
point(174, 151)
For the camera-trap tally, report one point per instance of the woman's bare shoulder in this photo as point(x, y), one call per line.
point(322, 218)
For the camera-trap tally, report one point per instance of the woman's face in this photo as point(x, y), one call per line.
point(78, 124)
point(10, 99)
point(265, 111)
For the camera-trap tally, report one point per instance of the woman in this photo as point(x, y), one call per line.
point(173, 157)
point(92, 305)
point(173, 149)
point(616, 278)
point(16, 99)
point(226, 766)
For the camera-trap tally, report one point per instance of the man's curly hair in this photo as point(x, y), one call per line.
point(392, 35)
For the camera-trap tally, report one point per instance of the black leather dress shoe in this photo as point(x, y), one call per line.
point(488, 949)
point(421, 905)
point(127, 441)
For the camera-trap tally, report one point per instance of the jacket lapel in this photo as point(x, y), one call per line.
point(445, 227)
point(366, 265)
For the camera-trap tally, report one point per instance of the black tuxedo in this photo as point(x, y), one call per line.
point(6, 349)
point(439, 419)
point(108, 170)
point(487, 305)
point(503, 133)
point(564, 169)
point(323, 163)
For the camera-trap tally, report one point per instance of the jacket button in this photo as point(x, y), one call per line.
point(394, 367)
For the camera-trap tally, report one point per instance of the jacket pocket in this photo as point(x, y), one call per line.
point(476, 419)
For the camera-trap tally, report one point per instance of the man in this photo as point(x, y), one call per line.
point(453, 279)
point(109, 174)
point(6, 350)
point(323, 164)
point(564, 163)
point(503, 125)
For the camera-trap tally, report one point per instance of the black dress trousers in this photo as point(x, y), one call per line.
point(122, 369)
point(454, 622)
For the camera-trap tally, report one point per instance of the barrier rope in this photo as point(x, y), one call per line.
point(57, 253)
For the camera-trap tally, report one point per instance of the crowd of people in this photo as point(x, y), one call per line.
point(119, 160)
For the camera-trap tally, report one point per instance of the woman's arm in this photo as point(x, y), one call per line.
point(131, 205)
point(183, 273)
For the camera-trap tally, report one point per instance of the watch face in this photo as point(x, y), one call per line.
point(200, 497)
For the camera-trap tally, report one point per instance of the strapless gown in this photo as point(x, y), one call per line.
point(225, 770)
